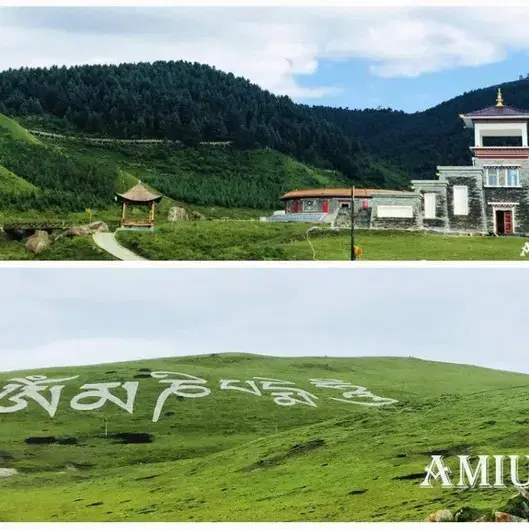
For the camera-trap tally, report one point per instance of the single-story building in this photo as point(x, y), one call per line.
point(374, 208)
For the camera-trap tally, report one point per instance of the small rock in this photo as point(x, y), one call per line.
point(177, 214)
point(198, 216)
point(8, 472)
point(504, 517)
point(89, 229)
point(98, 226)
point(444, 515)
point(523, 492)
point(38, 242)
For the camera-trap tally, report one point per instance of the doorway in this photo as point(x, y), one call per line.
point(503, 220)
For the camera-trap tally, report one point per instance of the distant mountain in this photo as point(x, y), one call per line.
point(417, 143)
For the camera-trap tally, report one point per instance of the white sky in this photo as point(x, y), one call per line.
point(270, 46)
point(89, 316)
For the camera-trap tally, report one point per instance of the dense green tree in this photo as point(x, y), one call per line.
point(182, 101)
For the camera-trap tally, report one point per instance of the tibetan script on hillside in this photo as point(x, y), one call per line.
point(47, 392)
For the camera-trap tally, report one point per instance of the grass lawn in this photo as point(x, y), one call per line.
point(263, 241)
point(237, 456)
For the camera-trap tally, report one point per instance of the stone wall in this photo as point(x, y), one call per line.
point(390, 223)
point(440, 222)
point(472, 178)
point(362, 217)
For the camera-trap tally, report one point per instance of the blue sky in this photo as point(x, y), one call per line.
point(404, 58)
point(362, 89)
point(62, 317)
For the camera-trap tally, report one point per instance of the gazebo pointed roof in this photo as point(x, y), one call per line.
point(140, 195)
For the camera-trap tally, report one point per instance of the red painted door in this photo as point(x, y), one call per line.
point(508, 222)
point(325, 206)
point(295, 206)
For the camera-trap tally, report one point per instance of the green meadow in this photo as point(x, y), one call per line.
point(235, 455)
point(290, 242)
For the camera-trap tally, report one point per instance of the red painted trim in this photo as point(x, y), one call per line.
point(500, 119)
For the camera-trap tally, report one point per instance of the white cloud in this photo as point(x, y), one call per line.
point(273, 47)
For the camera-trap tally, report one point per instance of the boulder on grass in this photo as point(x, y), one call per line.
point(198, 216)
point(177, 214)
point(88, 229)
point(444, 515)
point(98, 227)
point(38, 242)
point(505, 517)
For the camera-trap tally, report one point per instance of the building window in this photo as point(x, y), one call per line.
point(395, 212)
point(492, 176)
point(460, 200)
point(512, 177)
point(429, 205)
point(312, 206)
point(503, 177)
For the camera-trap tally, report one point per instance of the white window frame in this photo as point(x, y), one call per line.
point(464, 211)
point(388, 212)
point(497, 176)
point(517, 180)
point(502, 173)
point(430, 208)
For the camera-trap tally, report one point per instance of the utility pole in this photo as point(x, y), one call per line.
point(353, 256)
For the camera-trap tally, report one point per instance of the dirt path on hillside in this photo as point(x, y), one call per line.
point(107, 241)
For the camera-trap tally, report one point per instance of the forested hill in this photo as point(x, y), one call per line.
point(191, 102)
point(179, 101)
point(420, 141)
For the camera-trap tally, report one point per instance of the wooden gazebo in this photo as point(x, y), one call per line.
point(138, 196)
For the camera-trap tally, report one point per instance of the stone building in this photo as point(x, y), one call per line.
point(490, 196)
point(374, 208)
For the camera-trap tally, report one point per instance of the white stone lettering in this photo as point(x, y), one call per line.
point(357, 395)
point(16, 394)
point(334, 383)
point(525, 249)
point(31, 387)
point(230, 384)
point(187, 386)
point(284, 396)
point(101, 394)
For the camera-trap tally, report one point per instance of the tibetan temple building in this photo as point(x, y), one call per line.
point(489, 196)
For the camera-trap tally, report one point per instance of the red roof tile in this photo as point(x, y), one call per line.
point(344, 192)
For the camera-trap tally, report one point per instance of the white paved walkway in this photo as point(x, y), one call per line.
point(107, 241)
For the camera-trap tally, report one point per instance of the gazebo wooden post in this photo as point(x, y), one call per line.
point(123, 212)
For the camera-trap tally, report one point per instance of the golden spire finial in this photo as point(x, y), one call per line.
point(499, 99)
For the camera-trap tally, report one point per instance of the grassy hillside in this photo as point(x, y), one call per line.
point(16, 131)
point(207, 175)
point(237, 456)
point(72, 175)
